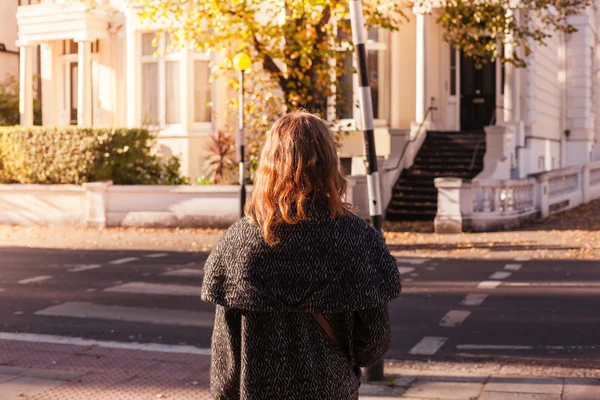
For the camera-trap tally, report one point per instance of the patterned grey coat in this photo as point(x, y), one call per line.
point(266, 344)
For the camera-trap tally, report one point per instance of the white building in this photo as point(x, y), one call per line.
point(98, 68)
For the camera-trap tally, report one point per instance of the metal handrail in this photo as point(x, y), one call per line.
point(493, 119)
point(475, 155)
point(431, 108)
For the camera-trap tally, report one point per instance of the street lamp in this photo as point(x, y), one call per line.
point(241, 62)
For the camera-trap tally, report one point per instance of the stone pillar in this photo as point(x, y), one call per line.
point(421, 58)
point(84, 83)
point(96, 204)
point(26, 85)
point(455, 205)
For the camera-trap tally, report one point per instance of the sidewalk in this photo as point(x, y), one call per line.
point(571, 235)
point(42, 371)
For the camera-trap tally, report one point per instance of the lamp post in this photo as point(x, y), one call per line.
point(241, 62)
point(375, 371)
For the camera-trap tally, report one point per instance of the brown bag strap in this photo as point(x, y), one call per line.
point(328, 329)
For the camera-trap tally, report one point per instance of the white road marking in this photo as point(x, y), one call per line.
point(84, 268)
point(522, 259)
point(553, 284)
point(414, 274)
point(124, 260)
point(90, 290)
point(491, 347)
point(428, 346)
point(157, 255)
point(405, 270)
point(185, 272)
point(35, 279)
point(162, 348)
point(500, 275)
point(156, 289)
point(454, 318)
point(407, 280)
point(489, 284)
point(473, 299)
point(414, 261)
point(430, 268)
point(512, 267)
point(158, 316)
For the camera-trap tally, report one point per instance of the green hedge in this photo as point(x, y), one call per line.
point(77, 155)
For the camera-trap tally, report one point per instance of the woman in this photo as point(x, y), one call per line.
point(301, 284)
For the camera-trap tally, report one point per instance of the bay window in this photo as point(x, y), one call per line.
point(171, 80)
point(346, 96)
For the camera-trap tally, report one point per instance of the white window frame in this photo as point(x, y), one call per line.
point(65, 100)
point(206, 126)
point(350, 124)
point(161, 61)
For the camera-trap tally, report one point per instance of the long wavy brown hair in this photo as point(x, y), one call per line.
point(298, 166)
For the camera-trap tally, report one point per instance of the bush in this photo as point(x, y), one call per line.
point(78, 155)
point(9, 102)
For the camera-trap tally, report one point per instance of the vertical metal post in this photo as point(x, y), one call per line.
point(241, 145)
point(374, 372)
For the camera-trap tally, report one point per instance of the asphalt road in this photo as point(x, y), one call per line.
point(450, 310)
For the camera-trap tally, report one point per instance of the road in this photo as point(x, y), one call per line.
point(545, 312)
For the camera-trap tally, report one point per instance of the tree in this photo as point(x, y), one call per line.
point(296, 43)
point(481, 28)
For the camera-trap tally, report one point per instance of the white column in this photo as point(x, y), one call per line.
point(49, 100)
point(84, 84)
point(396, 91)
point(133, 75)
point(26, 85)
point(186, 103)
point(421, 56)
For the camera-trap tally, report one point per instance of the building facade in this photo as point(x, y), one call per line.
point(98, 67)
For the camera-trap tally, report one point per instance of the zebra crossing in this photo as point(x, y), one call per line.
point(180, 283)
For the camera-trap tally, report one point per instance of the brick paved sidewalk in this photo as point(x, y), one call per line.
point(40, 371)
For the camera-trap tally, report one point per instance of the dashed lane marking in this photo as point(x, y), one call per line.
point(489, 284)
point(414, 261)
point(522, 259)
point(81, 268)
point(405, 270)
point(454, 318)
point(473, 299)
point(500, 275)
point(157, 255)
point(491, 347)
point(124, 260)
point(428, 346)
point(512, 267)
point(35, 279)
point(156, 289)
point(185, 272)
point(157, 316)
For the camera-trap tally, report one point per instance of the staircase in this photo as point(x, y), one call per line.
point(443, 154)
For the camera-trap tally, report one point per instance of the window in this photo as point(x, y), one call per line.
point(163, 80)
point(452, 71)
point(202, 91)
point(346, 100)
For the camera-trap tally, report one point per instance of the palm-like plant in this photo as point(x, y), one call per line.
point(220, 162)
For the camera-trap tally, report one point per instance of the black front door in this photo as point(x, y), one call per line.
point(477, 93)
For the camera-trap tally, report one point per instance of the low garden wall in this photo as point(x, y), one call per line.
point(102, 204)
